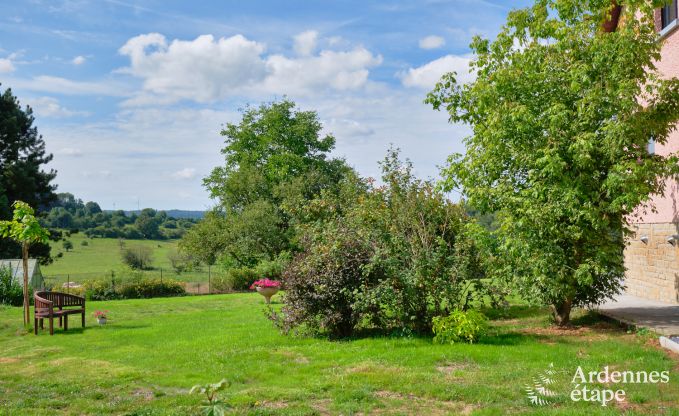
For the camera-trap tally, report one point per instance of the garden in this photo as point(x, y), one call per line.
point(151, 352)
point(387, 295)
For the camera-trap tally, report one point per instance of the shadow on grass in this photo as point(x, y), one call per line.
point(512, 338)
point(514, 312)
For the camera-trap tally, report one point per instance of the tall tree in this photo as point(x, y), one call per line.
point(275, 159)
point(22, 159)
point(562, 110)
point(25, 230)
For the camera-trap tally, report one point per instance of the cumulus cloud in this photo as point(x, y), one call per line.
point(343, 70)
point(186, 173)
point(305, 42)
point(427, 75)
point(6, 65)
point(203, 69)
point(432, 42)
point(50, 107)
point(208, 69)
point(78, 60)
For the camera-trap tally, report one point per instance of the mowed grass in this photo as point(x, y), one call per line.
point(152, 351)
point(101, 256)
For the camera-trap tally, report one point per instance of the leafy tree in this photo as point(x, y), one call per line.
point(22, 159)
point(92, 208)
point(275, 161)
point(139, 258)
point(272, 144)
point(68, 245)
point(24, 229)
point(205, 241)
point(562, 109)
point(388, 257)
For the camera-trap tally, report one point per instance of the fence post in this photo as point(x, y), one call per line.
point(209, 281)
point(68, 283)
point(161, 275)
point(113, 280)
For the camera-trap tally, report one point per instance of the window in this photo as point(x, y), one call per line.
point(668, 14)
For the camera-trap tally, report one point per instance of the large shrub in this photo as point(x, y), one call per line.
point(137, 257)
point(234, 279)
point(391, 257)
point(322, 283)
point(10, 290)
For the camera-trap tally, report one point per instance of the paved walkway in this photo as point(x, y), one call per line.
point(661, 317)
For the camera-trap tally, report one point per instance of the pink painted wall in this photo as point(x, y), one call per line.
point(667, 205)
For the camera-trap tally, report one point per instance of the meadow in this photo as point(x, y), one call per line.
point(101, 257)
point(145, 360)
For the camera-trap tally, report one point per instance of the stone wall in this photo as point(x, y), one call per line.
point(653, 267)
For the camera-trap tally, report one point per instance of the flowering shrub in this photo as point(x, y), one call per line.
point(265, 283)
point(100, 314)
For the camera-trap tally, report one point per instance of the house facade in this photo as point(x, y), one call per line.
point(652, 253)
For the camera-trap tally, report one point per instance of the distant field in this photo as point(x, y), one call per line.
point(101, 256)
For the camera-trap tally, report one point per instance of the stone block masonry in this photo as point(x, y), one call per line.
point(653, 267)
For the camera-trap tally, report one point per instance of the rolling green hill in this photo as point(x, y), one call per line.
point(101, 256)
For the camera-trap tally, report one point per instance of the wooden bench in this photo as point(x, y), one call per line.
point(50, 305)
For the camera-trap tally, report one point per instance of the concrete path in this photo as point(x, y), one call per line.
point(658, 316)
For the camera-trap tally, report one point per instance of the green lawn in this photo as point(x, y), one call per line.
point(152, 351)
point(101, 256)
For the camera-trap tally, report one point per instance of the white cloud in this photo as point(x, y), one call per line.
point(50, 107)
point(6, 65)
point(344, 70)
point(186, 173)
point(432, 42)
point(205, 70)
point(427, 75)
point(78, 60)
point(69, 151)
point(305, 42)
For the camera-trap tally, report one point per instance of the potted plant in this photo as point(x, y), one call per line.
point(101, 317)
point(266, 288)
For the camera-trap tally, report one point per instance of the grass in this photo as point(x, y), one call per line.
point(152, 351)
point(101, 256)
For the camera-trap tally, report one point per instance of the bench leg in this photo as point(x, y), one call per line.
point(83, 318)
point(60, 322)
point(42, 326)
point(51, 325)
point(35, 325)
point(65, 323)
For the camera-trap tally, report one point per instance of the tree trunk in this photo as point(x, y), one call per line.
point(562, 312)
point(27, 308)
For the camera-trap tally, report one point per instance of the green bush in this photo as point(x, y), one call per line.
point(100, 290)
point(323, 282)
point(152, 288)
point(459, 326)
point(11, 292)
point(235, 279)
point(135, 288)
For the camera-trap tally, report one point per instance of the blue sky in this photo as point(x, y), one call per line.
point(130, 96)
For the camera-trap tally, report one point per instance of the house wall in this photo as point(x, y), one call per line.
point(653, 267)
